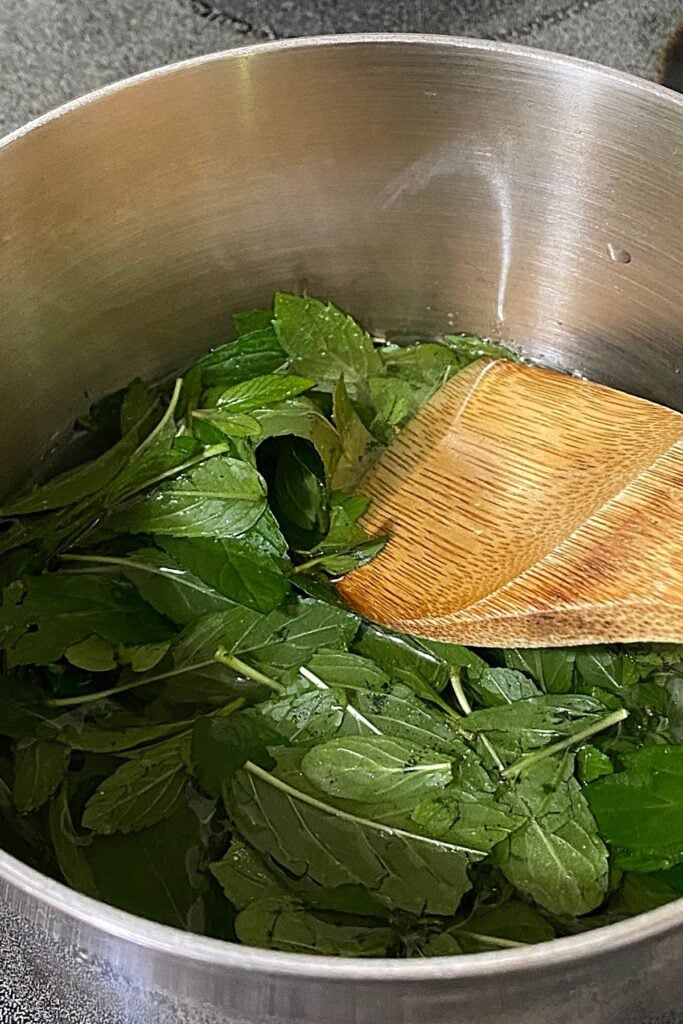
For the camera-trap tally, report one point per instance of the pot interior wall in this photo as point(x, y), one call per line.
point(422, 187)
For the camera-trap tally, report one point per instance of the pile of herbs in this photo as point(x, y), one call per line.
point(194, 728)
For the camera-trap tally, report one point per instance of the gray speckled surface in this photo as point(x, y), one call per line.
point(53, 50)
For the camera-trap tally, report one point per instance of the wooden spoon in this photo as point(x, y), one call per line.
point(528, 508)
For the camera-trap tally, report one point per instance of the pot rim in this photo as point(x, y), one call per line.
point(165, 939)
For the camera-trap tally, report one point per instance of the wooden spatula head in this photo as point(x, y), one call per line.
point(528, 508)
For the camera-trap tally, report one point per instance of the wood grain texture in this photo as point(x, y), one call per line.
point(528, 508)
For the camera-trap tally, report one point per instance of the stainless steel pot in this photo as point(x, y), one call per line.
point(421, 182)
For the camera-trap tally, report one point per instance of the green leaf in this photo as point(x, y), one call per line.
point(138, 405)
point(405, 659)
point(592, 764)
point(309, 626)
point(356, 440)
point(254, 354)
point(640, 810)
point(168, 584)
point(606, 669)
point(239, 568)
point(244, 877)
point(159, 455)
point(324, 343)
point(285, 638)
point(299, 495)
point(140, 793)
point(374, 768)
point(200, 641)
point(506, 926)
point(470, 347)
point(190, 395)
point(70, 848)
point(98, 655)
point(401, 867)
point(552, 668)
point(24, 711)
point(75, 485)
point(345, 531)
point(301, 417)
point(284, 923)
point(639, 893)
point(258, 392)
point(221, 497)
point(92, 655)
point(43, 617)
point(423, 368)
point(394, 401)
point(232, 424)
point(39, 768)
point(498, 686)
point(222, 743)
point(340, 669)
point(557, 857)
point(154, 873)
point(252, 320)
point(533, 722)
point(472, 810)
point(112, 739)
point(344, 561)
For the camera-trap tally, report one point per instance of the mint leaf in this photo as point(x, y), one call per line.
point(222, 743)
point(244, 877)
point(75, 485)
point(300, 417)
point(258, 392)
point(45, 615)
point(533, 722)
point(592, 764)
point(405, 658)
point(363, 767)
point(469, 347)
point(356, 441)
point(221, 497)
point(140, 793)
point(250, 320)
point(640, 809)
point(155, 872)
point(306, 834)
point(165, 583)
point(552, 668)
point(113, 738)
point(284, 923)
point(324, 343)
point(556, 857)
point(498, 686)
point(39, 768)
point(256, 353)
point(243, 569)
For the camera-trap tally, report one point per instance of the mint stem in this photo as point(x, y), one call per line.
point(493, 940)
point(310, 564)
point(114, 691)
point(464, 703)
point(583, 734)
point(237, 665)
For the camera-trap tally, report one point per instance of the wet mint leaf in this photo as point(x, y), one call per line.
point(640, 809)
point(41, 618)
point(324, 343)
point(221, 497)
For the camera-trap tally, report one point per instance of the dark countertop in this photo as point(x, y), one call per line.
point(53, 50)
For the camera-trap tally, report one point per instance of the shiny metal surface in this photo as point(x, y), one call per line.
point(422, 183)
